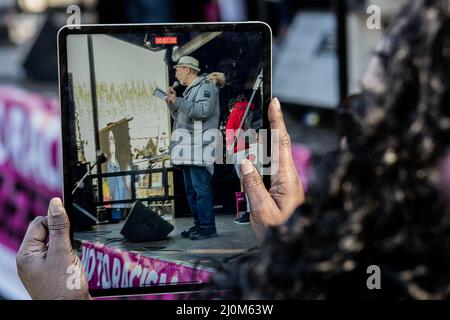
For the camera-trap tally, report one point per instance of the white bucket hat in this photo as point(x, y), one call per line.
point(189, 62)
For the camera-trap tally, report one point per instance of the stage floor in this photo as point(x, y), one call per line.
point(232, 239)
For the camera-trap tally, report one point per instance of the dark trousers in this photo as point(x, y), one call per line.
point(199, 193)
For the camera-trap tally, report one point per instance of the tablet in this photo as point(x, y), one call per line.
point(152, 186)
point(160, 93)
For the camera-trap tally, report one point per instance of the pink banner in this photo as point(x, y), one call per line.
point(108, 267)
point(30, 163)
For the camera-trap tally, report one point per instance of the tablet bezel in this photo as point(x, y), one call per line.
point(106, 29)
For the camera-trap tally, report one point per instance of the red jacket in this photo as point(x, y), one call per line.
point(234, 120)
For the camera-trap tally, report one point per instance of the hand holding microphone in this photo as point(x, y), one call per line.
point(173, 87)
point(172, 95)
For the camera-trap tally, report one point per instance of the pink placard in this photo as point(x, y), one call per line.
point(30, 161)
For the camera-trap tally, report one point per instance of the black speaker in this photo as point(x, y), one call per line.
point(83, 211)
point(82, 219)
point(144, 224)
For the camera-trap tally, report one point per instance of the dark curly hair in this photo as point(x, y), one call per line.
point(382, 205)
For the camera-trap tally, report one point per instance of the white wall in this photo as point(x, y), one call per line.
point(119, 63)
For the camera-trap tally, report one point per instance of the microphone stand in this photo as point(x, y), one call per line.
point(258, 82)
point(80, 182)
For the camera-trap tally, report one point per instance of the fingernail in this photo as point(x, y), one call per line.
point(56, 207)
point(246, 167)
point(277, 103)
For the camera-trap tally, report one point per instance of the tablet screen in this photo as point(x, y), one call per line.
point(155, 121)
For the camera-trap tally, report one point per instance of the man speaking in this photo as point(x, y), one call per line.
point(198, 106)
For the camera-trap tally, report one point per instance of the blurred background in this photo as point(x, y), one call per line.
point(320, 51)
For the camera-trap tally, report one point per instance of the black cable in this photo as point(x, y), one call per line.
point(114, 240)
point(240, 254)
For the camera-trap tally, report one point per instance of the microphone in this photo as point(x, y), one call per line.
point(174, 86)
point(101, 158)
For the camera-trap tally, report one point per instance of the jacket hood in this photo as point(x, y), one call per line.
point(217, 79)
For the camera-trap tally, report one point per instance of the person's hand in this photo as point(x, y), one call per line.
point(171, 90)
point(171, 96)
point(46, 262)
point(273, 207)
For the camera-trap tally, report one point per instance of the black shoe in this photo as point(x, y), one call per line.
point(187, 233)
point(204, 233)
point(244, 219)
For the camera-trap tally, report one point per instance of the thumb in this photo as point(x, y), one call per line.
point(58, 226)
point(257, 194)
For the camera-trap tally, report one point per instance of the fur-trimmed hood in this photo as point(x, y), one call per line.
point(217, 78)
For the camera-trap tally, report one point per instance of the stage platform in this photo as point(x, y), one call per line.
point(113, 262)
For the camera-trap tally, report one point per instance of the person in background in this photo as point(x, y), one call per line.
point(117, 185)
point(234, 136)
